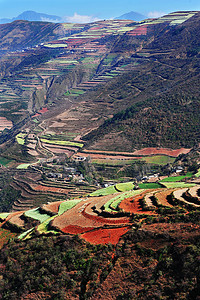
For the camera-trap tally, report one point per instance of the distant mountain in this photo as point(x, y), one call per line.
point(33, 16)
point(131, 16)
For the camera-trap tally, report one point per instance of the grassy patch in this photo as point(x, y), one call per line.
point(66, 205)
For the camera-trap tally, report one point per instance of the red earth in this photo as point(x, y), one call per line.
point(164, 151)
point(43, 110)
point(105, 236)
point(132, 205)
point(144, 152)
point(75, 229)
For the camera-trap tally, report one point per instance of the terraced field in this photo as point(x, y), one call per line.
point(103, 218)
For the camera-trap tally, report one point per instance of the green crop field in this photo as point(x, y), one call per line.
point(149, 185)
point(3, 216)
point(35, 214)
point(118, 199)
point(24, 234)
point(170, 185)
point(112, 162)
point(43, 227)
point(123, 187)
point(198, 173)
point(55, 45)
point(158, 159)
point(62, 143)
point(23, 166)
point(103, 192)
point(20, 138)
point(4, 161)
point(173, 178)
point(66, 205)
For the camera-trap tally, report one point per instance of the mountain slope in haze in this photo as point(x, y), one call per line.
point(132, 15)
point(20, 34)
point(166, 111)
point(110, 66)
point(33, 16)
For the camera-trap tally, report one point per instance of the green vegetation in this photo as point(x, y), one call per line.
point(66, 205)
point(4, 161)
point(3, 216)
point(158, 159)
point(8, 194)
point(105, 191)
point(173, 178)
point(198, 173)
point(117, 200)
point(37, 215)
point(112, 204)
point(62, 143)
point(21, 138)
point(170, 185)
point(44, 227)
point(149, 185)
point(53, 266)
point(23, 166)
point(25, 234)
point(123, 187)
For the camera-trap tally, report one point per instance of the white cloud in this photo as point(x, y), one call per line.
point(49, 20)
point(76, 18)
point(155, 14)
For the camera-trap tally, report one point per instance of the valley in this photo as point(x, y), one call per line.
point(100, 159)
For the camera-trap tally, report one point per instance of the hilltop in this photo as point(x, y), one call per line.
point(132, 15)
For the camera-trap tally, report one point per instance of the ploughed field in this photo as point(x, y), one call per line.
point(103, 216)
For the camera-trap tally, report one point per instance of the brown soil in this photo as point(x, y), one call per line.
point(52, 207)
point(162, 197)
point(43, 188)
point(15, 219)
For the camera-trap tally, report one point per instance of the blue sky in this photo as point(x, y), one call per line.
point(91, 9)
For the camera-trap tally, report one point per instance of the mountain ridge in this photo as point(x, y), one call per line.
point(30, 15)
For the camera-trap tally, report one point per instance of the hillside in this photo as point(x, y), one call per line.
point(127, 240)
point(99, 159)
point(167, 81)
